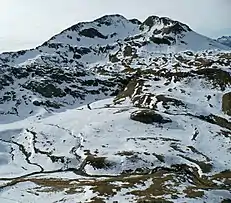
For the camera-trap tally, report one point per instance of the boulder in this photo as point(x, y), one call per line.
point(226, 103)
point(127, 51)
point(149, 117)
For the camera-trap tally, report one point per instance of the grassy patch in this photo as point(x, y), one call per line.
point(145, 187)
point(191, 192)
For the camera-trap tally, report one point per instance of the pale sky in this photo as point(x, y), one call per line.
point(28, 23)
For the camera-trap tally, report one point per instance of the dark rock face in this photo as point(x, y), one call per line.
point(135, 21)
point(149, 117)
point(128, 51)
point(37, 103)
point(38, 85)
point(217, 120)
point(113, 58)
point(177, 28)
point(109, 19)
point(159, 41)
point(217, 77)
point(167, 101)
point(83, 50)
point(226, 103)
point(47, 90)
point(150, 21)
point(92, 33)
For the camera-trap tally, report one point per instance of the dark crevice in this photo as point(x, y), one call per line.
point(24, 152)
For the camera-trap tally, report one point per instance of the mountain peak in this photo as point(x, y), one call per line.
point(226, 40)
point(225, 37)
point(170, 25)
point(107, 34)
point(110, 19)
point(151, 20)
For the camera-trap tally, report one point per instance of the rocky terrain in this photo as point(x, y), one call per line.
point(117, 110)
point(226, 40)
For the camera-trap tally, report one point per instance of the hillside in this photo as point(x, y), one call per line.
point(117, 110)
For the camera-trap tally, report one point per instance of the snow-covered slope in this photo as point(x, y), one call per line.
point(117, 110)
point(226, 40)
point(108, 143)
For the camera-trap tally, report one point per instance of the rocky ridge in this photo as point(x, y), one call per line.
point(226, 40)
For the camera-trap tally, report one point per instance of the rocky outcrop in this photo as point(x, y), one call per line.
point(149, 117)
point(226, 103)
point(226, 40)
point(92, 33)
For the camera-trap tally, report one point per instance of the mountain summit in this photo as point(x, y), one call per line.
point(117, 110)
point(226, 40)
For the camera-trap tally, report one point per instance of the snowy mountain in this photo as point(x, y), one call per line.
point(91, 42)
point(44, 74)
point(226, 40)
point(117, 110)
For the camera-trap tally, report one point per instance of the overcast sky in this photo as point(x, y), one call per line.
point(27, 23)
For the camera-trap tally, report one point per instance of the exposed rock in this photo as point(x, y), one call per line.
point(113, 58)
point(149, 117)
point(37, 103)
point(98, 162)
point(159, 41)
point(135, 21)
point(92, 33)
point(167, 101)
point(150, 21)
point(217, 120)
point(127, 51)
point(177, 28)
point(217, 77)
point(226, 103)
point(47, 90)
